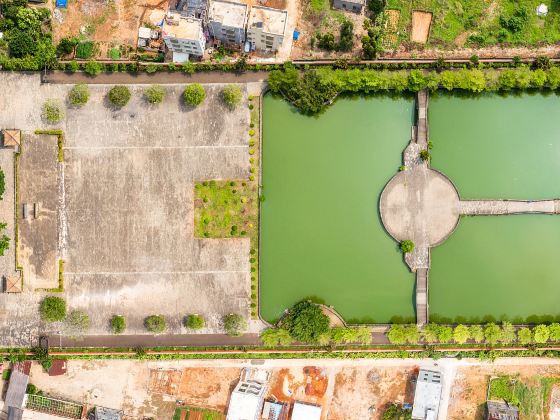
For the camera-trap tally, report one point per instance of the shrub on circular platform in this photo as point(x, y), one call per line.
point(194, 322)
point(154, 94)
point(118, 324)
point(194, 94)
point(119, 96)
point(234, 324)
point(79, 95)
point(53, 309)
point(155, 324)
point(231, 95)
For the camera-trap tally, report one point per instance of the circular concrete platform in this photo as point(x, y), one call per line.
point(420, 204)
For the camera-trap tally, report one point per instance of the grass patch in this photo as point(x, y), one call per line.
point(530, 395)
point(84, 50)
point(195, 413)
point(6, 373)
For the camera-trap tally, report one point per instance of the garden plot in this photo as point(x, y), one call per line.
point(421, 22)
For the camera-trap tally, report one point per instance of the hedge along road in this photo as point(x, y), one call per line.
point(162, 77)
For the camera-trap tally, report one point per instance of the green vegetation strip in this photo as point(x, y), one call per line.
point(60, 140)
point(206, 413)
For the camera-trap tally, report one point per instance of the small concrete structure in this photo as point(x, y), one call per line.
point(355, 6)
point(13, 284)
point(542, 10)
point(183, 35)
point(427, 395)
point(102, 413)
point(500, 410)
point(227, 20)
point(266, 28)
point(304, 411)
point(197, 9)
point(12, 139)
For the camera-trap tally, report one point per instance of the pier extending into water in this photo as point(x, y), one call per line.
point(423, 205)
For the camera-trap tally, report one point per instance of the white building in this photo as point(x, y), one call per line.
point(227, 20)
point(427, 395)
point(266, 28)
point(246, 402)
point(303, 411)
point(184, 36)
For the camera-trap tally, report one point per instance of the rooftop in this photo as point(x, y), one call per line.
point(246, 400)
point(427, 395)
point(304, 411)
point(228, 13)
point(178, 26)
point(499, 410)
point(272, 21)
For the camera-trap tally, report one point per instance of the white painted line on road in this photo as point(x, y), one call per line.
point(126, 273)
point(236, 146)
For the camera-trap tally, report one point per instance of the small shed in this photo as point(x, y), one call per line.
point(501, 410)
point(58, 368)
point(355, 6)
point(11, 138)
point(17, 388)
point(13, 284)
point(103, 413)
point(542, 10)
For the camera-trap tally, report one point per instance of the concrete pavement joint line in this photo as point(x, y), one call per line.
point(235, 146)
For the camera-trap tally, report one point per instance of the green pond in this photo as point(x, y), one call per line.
point(502, 267)
point(321, 234)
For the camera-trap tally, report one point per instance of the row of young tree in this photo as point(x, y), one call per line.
point(491, 333)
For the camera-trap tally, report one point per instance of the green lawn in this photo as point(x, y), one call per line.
point(482, 22)
point(195, 413)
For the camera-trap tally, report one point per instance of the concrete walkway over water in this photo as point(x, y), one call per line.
point(423, 205)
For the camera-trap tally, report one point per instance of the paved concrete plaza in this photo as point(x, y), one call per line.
point(124, 205)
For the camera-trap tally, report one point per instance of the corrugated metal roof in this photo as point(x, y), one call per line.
point(17, 387)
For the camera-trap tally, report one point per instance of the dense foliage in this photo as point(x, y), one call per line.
point(119, 95)
point(2, 183)
point(194, 94)
point(312, 90)
point(306, 322)
point(79, 95)
point(234, 324)
point(155, 324)
point(407, 246)
point(53, 309)
point(154, 94)
point(29, 42)
point(118, 324)
point(275, 337)
point(396, 412)
point(194, 322)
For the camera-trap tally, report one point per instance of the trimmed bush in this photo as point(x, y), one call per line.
point(84, 50)
point(407, 246)
point(524, 335)
point(194, 322)
point(53, 309)
point(76, 324)
point(93, 68)
point(52, 111)
point(119, 95)
point(273, 337)
point(118, 324)
point(155, 324)
point(461, 334)
point(154, 94)
point(231, 95)
point(541, 333)
point(79, 95)
point(234, 324)
point(194, 94)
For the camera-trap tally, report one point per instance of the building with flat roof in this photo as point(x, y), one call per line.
point(183, 35)
point(227, 20)
point(193, 8)
point(246, 402)
point(355, 6)
point(266, 28)
point(427, 395)
point(304, 411)
point(500, 410)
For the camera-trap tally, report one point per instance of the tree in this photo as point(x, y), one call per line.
point(52, 111)
point(424, 155)
point(21, 43)
point(346, 41)
point(541, 333)
point(118, 324)
point(155, 324)
point(76, 324)
point(376, 6)
point(401, 334)
point(194, 322)
point(444, 334)
point(305, 322)
point(79, 95)
point(93, 68)
point(274, 337)
point(508, 333)
point(52, 309)
point(363, 335)
point(194, 94)
point(554, 330)
point(66, 46)
point(154, 94)
point(231, 96)
point(407, 246)
point(429, 333)
point(461, 334)
point(492, 333)
point(234, 324)
point(4, 240)
point(477, 334)
point(524, 335)
point(372, 43)
point(326, 41)
point(119, 95)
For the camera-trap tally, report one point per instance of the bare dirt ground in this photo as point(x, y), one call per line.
point(420, 26)
point(554, 404)
point(109, 22)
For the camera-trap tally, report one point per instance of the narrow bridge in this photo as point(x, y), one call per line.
point(499, 207)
